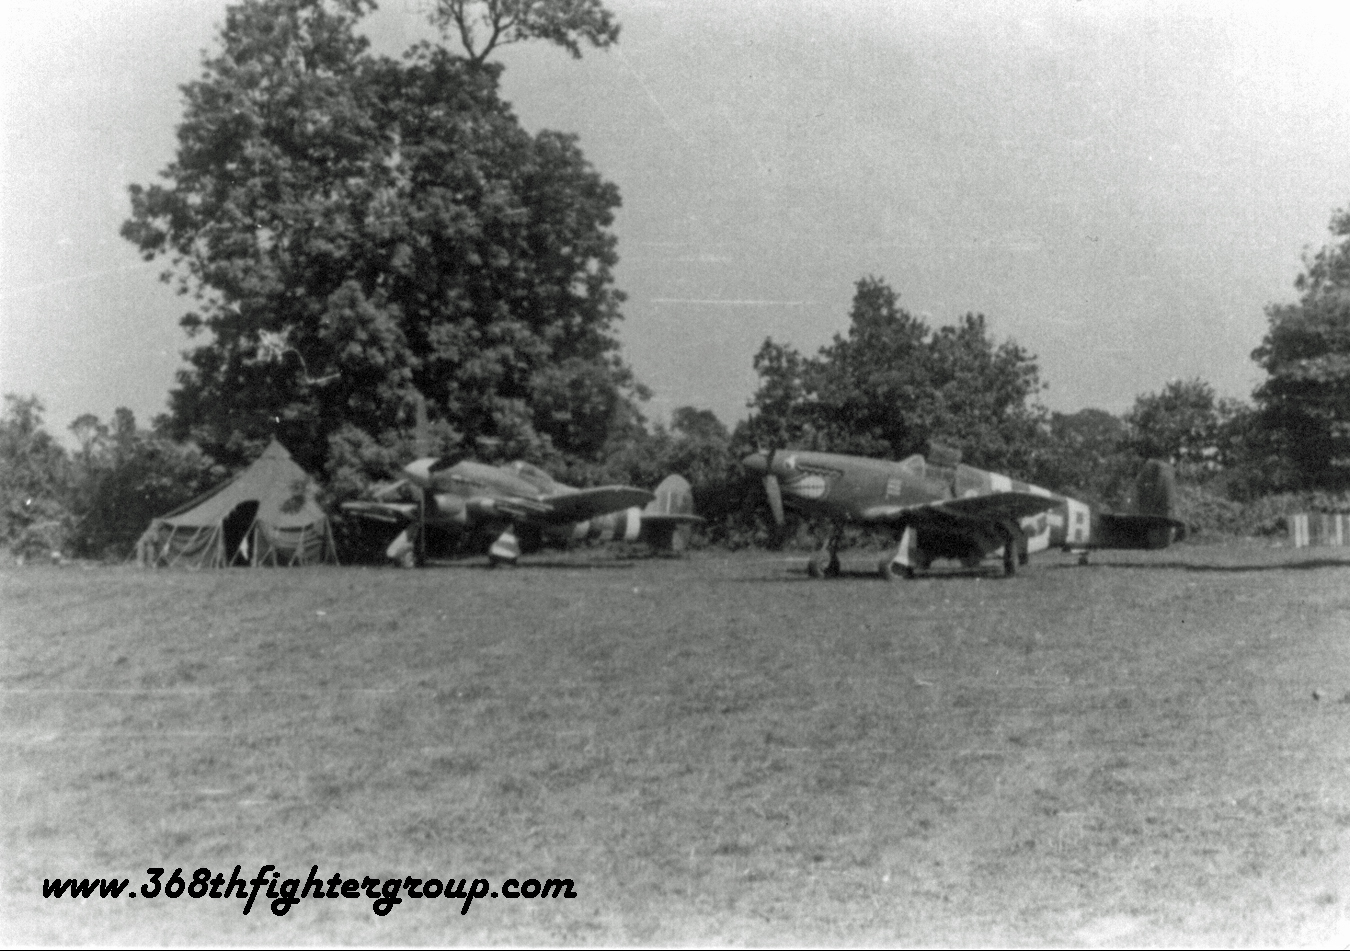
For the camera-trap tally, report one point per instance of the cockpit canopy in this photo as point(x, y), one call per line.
point(537, 477)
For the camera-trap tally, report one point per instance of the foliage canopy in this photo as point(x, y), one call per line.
point(893, 385)
point(354, 229)
point(1304, 403)
point(484, 25)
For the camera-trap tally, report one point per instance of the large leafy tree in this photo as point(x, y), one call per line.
point(354, 230)
point(1304, 404)
point(1085, 454)
point(1188, 426)
point(893, 385)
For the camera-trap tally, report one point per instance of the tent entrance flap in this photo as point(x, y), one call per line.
point(236, 526)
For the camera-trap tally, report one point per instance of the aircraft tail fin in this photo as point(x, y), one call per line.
point(1155, 490)
point(667, 519)
point(1154, 523)
point(674, 496)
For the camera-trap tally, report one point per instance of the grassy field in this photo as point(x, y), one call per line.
point(716, 750)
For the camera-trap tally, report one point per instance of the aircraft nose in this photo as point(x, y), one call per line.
point(756, 462)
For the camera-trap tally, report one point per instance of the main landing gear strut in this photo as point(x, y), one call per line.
point(505, 550)
point(906, 558)
point(825, 562)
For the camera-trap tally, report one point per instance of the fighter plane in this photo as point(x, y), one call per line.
point(945, 509)
point(501, 503)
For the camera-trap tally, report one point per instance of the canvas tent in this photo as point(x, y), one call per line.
point(266, 515)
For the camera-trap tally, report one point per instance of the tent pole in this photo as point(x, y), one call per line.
point(299, 549)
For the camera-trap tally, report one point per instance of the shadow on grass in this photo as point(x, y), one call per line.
point(529, 564)
point(1228, 569)
point(797, 575)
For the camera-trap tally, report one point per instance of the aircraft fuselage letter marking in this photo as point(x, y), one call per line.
point(1076, 532)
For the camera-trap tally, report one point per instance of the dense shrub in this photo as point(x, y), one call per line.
point(124, 478)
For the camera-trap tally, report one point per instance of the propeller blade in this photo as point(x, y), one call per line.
point(420, 541)
point(775, 494)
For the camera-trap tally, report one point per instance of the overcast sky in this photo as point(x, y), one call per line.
point(1121, 187)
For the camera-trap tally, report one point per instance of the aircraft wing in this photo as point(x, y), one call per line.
point(391, 513)
point(587, 503)
point(671, 518)
point(994, 508)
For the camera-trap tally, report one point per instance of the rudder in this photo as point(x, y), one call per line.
point(1155, 490)
point(667, 519)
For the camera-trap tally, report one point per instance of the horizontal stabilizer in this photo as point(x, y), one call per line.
point(1136, 531)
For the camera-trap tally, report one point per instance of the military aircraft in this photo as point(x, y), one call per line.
point(942, 508)
point(501, 503)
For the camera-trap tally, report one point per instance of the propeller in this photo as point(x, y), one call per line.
point(773, 491)
point(420, 539)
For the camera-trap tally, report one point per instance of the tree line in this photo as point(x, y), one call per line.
point(356, 235)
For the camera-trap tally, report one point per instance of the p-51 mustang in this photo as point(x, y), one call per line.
point(955, 511)
point(500, 503)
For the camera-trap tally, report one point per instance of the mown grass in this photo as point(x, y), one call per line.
point(716, 750)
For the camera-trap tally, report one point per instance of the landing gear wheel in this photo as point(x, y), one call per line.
point(1009, 560)
point(832, 569)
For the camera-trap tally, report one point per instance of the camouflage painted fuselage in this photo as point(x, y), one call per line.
point(930, 498)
